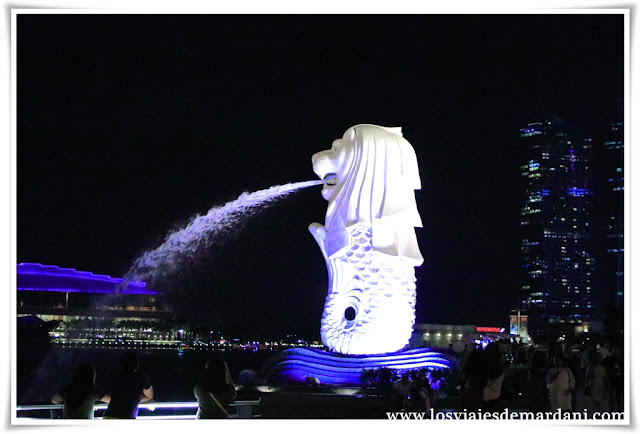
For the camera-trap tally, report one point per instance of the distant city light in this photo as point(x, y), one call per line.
point(574, 191)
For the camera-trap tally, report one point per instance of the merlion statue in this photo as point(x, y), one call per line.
point(368, 240)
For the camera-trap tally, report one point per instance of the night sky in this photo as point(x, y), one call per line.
point(128, 126)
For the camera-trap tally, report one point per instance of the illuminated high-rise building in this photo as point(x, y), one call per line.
point(613, 200)
point(557, 261)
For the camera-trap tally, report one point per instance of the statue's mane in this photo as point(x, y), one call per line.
point(377, 190)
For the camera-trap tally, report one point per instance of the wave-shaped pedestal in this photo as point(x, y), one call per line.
point(295, 364)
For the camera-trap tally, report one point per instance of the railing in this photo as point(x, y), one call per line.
point(152, 410)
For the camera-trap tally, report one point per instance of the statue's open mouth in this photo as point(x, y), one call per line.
point(330, 179)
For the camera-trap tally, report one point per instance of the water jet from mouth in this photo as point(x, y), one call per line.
point(205, 230)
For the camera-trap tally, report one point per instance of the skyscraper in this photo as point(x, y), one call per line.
point(557, 261)
point(613, 200)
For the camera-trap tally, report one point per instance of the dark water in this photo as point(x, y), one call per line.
point(171, 372)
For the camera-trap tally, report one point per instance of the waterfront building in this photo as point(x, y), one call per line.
point(85, 305)
point(442, 336)
point(556, 223)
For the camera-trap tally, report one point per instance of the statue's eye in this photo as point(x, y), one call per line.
point(349, 313)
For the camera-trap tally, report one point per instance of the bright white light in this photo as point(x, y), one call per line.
point(368, 241)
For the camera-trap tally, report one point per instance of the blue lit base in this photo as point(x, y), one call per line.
point(295, 364)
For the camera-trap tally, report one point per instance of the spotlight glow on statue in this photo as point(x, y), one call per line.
point(368, 241)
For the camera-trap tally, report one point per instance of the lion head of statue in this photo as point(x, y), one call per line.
point(370, 176)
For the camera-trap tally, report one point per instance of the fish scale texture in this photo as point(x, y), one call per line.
point(381, 290)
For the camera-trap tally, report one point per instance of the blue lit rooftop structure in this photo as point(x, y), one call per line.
point(51, 278)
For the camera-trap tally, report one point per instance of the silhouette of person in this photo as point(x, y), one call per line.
point(538, 392)
point(214, 390)
point(130, 387)
point(598, 382)
point(475, 380)
point(424, 384)
point(560, 381)
point(615, 371)
point(495, 376)
point(402, 389)
point(80, 396)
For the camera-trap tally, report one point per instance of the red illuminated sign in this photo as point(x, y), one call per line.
point(490, 329)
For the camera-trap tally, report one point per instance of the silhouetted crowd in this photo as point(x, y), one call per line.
point(414, 394)
point(504, 374)
point(130, 386)
point(557, 375)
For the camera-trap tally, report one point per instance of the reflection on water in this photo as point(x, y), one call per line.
point(172, 373)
